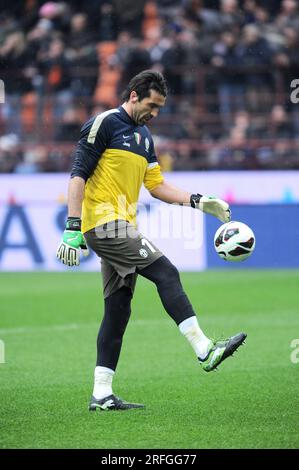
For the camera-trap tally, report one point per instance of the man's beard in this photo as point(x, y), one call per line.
point(141, 120)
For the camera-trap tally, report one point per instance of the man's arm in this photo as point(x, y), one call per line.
point(75, 196)
point(168, 193)
point(94, 138)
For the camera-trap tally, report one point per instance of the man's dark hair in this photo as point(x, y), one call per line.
point(143, 83)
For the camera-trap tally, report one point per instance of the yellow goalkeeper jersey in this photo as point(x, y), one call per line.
point(115, 157)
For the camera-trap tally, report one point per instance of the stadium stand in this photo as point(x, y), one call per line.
point(229, 64)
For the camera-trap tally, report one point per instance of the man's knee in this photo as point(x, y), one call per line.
point(169, 272)
point(118, 307)
point(162, 271)
point(123, 295)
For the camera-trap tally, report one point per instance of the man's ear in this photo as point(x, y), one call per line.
point(134, 97)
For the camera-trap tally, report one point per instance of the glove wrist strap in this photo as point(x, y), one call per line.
point(73, 223)
point(195, 199)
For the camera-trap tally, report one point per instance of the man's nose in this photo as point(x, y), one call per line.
point(154, 112)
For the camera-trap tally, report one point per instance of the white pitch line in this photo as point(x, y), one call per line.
point(25, 329)
point(148, 322)
point(73, 326)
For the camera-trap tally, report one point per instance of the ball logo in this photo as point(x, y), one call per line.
point(143, 253)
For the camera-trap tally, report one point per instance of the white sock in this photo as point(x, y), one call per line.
point(102, 382)
point(199, 342)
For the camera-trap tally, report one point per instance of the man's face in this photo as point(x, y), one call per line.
point(147, 108)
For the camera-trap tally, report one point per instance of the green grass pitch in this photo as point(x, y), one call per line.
point(49, 323)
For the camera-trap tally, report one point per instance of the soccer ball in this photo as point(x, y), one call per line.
point(234, 241)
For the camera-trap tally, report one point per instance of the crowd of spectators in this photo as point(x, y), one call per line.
point(229, 66)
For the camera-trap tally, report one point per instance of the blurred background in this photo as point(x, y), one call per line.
point(230, 125)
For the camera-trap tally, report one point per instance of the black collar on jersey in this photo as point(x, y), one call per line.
point(126, 117)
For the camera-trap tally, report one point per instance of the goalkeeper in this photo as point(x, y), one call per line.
point(114, 157)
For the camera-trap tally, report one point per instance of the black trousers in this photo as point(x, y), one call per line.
point(118, 309)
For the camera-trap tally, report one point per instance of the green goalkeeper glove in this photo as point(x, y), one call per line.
point(211, 205)
point(72, 240)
